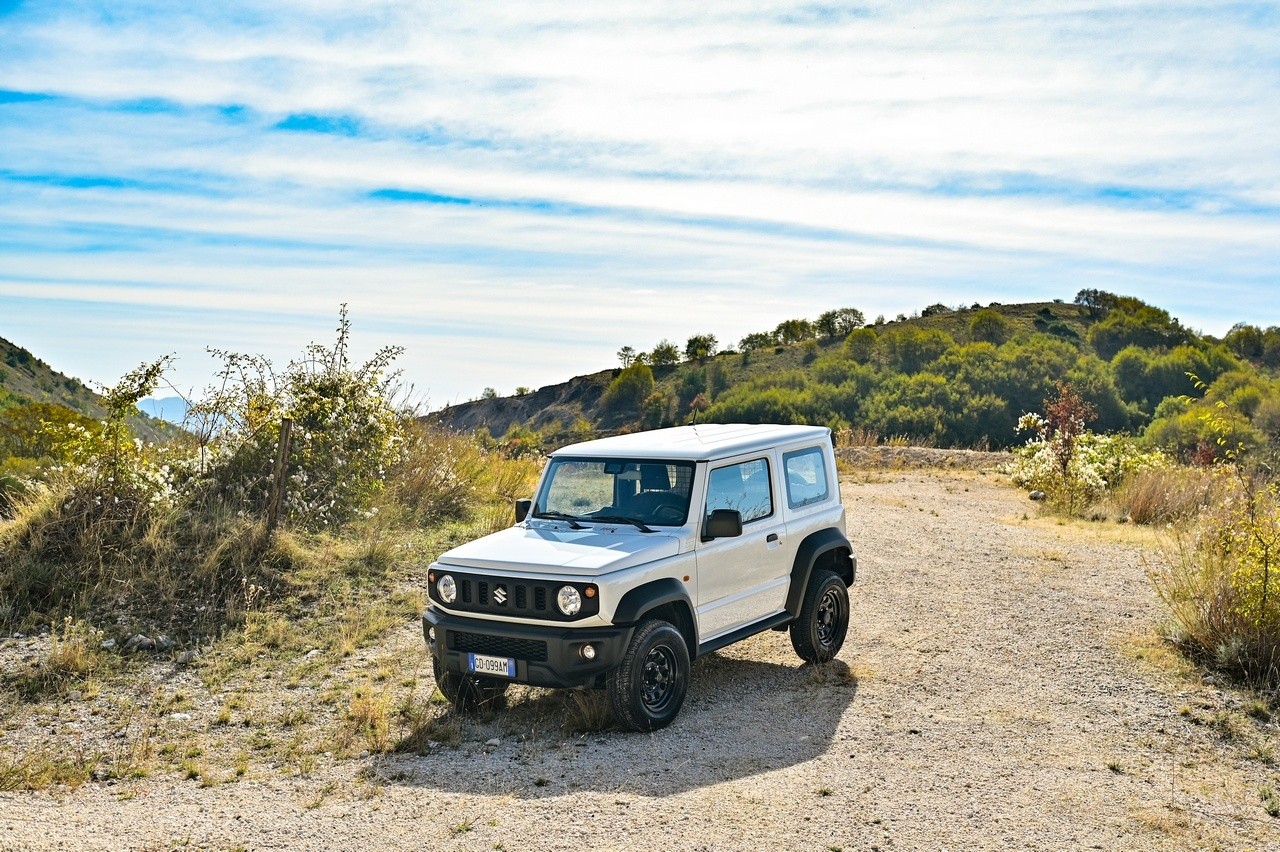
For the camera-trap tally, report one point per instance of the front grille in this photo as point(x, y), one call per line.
point(498, 646)
point(514, 598)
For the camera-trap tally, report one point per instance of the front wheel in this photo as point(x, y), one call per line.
point(824, 618)
point(648, 688)
point(468, 693)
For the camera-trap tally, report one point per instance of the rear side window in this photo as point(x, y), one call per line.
point(806, 472)
point(744, 487)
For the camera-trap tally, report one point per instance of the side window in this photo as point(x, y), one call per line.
point(806, 477)
point(744, 487)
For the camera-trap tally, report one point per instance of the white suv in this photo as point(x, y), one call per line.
point(640, 553)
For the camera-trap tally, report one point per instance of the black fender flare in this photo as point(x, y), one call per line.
point(641, 599)
point(810, 551)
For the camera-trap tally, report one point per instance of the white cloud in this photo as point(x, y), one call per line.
point(623, 158)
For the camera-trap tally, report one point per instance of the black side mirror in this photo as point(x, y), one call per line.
point(722, 523)
point(522, 509)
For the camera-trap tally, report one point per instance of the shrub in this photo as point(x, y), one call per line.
point(627, 393)
point(1098, 463)
point(346, 432)
point(1165, 493)
point(1220, 579)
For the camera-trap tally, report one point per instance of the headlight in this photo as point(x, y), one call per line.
point(568, 600)
point(447, 588)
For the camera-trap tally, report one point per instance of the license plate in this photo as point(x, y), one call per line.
point(486, 665)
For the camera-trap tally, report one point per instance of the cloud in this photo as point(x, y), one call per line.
point(521, 189)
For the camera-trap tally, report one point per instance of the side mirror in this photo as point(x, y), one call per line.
point(722, 523)
point(522, 509)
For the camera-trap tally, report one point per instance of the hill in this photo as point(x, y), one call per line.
point(25, 378)
point(947, 376)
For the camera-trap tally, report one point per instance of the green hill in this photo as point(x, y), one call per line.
point(24, 378)
point(947, 376)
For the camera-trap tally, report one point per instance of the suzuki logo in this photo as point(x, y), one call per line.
point(500, 595)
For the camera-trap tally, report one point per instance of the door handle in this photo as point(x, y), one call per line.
point(772, 538)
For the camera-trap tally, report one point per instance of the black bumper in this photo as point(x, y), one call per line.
point(545, 656)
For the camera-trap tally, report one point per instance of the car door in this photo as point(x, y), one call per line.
point(744, 578)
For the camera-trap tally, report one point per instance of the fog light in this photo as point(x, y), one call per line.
point(448, 589)
point(431, 635)
point(568, 600)
point(588, 652)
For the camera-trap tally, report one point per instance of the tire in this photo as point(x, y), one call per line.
point(819, 632)
point(468, 693)
point(648, 688)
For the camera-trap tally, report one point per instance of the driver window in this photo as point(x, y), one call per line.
point(744, 487)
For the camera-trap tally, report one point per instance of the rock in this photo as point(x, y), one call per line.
point(108, 645)
point(493, 742)
point(362, 755)
point(138, 642)
point(1037, 496)
point(312, 654)
point(180, 717)
point(165, 643)
point(186, 658)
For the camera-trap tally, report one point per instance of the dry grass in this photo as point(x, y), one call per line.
point(1215, 577)
point(587, 711)
point(1166, 494)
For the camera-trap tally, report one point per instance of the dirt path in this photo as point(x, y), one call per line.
point(999, 691)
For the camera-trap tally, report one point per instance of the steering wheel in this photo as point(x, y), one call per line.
point(667, 512)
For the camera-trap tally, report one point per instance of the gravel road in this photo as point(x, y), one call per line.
point(1000, 689)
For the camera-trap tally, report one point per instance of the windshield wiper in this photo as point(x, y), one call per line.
point(620, 519)
point(561, 516)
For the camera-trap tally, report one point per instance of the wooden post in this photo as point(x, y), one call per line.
point(278, 479)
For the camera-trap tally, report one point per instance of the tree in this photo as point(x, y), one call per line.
point(1137, 325)
point(757, 340)
point(628, 391)
point(908, 349)
point(840, 322)
point(794, 330)
point(699, 347)
point(664, 354)
point(627, 356)
point(861, 344)
point(989, 326)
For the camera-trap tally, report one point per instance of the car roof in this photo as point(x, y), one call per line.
point(696, 443)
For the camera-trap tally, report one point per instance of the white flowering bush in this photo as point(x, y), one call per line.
point(1099, 464)
point(1071, 465)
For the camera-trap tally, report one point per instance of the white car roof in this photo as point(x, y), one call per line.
point(696, 443)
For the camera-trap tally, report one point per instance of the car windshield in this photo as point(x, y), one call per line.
point(643, 492)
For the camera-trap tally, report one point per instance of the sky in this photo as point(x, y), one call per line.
point(513, 191)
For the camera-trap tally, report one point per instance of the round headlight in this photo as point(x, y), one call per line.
point(447, 588)
point(568, 600)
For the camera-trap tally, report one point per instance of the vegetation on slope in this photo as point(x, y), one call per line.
point(957, 377)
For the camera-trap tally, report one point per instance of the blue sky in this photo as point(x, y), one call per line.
point(513, 191)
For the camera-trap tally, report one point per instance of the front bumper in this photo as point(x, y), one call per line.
point(545, 656)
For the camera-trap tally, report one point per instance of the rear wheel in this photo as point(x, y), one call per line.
point(647, 690)
point(468, 693)
point(819, 632)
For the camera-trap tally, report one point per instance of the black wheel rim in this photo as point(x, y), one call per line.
point(830, 617)
point(659, 680)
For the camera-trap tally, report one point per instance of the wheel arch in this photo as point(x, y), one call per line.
point(665, 599)
point(825, 549)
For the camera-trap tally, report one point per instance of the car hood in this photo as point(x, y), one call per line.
point(538, 549)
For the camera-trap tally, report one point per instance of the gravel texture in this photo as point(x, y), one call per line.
point(1001, 689)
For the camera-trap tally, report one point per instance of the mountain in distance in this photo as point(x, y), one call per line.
point(171, 409)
